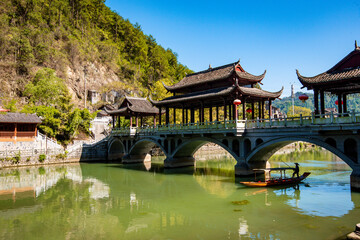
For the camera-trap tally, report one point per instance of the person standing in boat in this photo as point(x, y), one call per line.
point(296, 170)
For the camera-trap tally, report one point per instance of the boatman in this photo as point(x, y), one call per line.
point(296, 170)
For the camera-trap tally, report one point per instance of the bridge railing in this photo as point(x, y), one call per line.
point(241, 125)
point(200, 127)
point(319, 119)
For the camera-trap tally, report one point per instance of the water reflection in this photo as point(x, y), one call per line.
point(115, 201)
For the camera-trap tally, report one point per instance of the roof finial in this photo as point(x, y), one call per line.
point(210, 66)
point(356, 46)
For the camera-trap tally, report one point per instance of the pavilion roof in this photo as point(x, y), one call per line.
point(254, 93)
point(10, 117)
point(134, 105)
point(215, 74)
point(344, 77)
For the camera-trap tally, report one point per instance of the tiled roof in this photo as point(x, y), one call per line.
point(135, 105)
point(11, 117)
point(214, 74)
point(346, 73)
point(218, 92)
point(329, 77)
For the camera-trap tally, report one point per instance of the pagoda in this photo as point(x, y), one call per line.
point(132, 107)
point(341, 80)
point(214, 89)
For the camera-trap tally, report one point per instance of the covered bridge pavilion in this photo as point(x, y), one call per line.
point(133, 107)
point(340, 80)
point(216, 88)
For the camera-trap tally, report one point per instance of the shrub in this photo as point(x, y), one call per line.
point(28, 159)
point(16, 159)
point(42, 157)
point(62, 156)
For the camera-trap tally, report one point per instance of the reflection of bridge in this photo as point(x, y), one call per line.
point(250, 142)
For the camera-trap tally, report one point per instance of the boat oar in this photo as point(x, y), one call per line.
point(286, 164)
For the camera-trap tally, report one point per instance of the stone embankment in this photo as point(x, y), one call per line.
point(42, 152)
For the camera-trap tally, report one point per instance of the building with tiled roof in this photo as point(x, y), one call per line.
point(18, 126)
point(341, 79)
point(216, 88)
point(133, 107)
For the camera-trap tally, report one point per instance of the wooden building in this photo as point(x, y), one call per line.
point(214, 90)
point(133, 107)
point(18, 127)
point(341, 80)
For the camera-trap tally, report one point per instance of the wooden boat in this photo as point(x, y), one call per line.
point(269, 181)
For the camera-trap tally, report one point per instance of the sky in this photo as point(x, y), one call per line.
point(277, 36)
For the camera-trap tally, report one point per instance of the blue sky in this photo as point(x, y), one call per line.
point(279, 36)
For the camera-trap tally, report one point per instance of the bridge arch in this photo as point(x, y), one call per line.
point(139, 152)
point(188, 148)
point(264, 151)
point(116, 149)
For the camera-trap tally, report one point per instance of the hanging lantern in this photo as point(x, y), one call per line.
point(237, 102)
point(249, 110)
point(303, 97)
point(337, 102)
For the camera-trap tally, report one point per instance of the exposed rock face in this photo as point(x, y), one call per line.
point(95, 74)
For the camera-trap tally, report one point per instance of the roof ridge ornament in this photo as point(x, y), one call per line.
point(210, 66)
point(356, 46)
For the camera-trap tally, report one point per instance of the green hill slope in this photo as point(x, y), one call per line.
point(80, 39)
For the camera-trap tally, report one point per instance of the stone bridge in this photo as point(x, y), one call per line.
point(250, 142)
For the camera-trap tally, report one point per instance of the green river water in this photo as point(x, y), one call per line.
point(115, 201)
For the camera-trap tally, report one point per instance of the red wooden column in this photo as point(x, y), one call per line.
point(15, 133)
point(131, 120)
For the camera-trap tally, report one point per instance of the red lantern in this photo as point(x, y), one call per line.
point(337, 102)
point(249, 110)
point(237, 102)
point(303, 97)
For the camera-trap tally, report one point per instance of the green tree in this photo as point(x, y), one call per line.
point(298, 110)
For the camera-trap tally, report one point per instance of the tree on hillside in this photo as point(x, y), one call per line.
point(297, 111)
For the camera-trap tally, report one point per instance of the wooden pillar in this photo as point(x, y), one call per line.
point(225, 112)
point(270, 109)
point(192, 115)
point(316, 101)
point(210, 114)
point(234, 111)
point(159, 115)
point(141, 121)
point(174, 115)
point(344, 104)
point(253, 110)
point(217, 113)
point(322, 102)
point(231, 113)
point(244, 108)
point(154, 120)
point(131, 120)
point(263, 108)
point(183, 115)
point(137, 120)
point(259, 108)
point(200, 114)
point(186, 115)
point(167, 117)
point(113, 117)
point(15, 133)
point(339, 104)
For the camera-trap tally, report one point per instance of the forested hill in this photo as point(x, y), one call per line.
point(80, 39)
point(353, 102)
